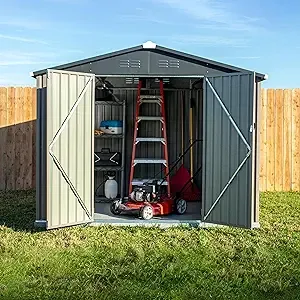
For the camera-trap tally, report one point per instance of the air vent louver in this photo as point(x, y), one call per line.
point(172, 63)
point(131, 80)
point(165, 80)
point(130, 63)
point(163, 63)
point(124, 64)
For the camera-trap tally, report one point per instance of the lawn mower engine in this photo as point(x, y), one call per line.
point(145, 193)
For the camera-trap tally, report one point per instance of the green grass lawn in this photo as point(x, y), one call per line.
point(144, 263)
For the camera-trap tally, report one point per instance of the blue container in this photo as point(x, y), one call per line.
point(111, 126)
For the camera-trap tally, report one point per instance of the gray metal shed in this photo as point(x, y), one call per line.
point(225, 105)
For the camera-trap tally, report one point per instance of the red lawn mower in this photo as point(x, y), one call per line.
point(147, 201)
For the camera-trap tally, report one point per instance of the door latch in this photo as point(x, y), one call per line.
point(252, 127)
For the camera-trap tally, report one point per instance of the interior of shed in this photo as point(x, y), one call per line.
point(115, 99)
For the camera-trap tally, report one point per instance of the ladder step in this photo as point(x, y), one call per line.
point(149, 161)
point(153, 97)
point(148, 118)
point(139, 181)
point(150, 139)
point(151, 101)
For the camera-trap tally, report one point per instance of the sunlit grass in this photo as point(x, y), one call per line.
point(145, 263)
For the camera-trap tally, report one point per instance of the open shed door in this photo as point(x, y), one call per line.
point(70, 145)
point(227, 164)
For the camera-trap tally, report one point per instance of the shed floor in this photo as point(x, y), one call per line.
point(102, 212)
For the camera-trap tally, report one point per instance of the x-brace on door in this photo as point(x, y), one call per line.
point(70, 145)
point(227, 167)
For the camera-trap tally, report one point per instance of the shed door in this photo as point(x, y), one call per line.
point(70, 143)
point(227, 164)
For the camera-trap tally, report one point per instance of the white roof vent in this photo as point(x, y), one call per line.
point(149, 45)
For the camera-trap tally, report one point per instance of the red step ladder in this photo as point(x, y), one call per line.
point(154, 99)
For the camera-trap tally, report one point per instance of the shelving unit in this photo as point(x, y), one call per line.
point(109, 136)
point(121, 168)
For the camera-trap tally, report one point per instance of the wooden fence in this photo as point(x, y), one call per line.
point(17, 138)
point(279, 139)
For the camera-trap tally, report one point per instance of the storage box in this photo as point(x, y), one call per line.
point(107, 158)
point(112, 126)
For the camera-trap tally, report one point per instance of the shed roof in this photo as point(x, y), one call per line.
point(151, 47)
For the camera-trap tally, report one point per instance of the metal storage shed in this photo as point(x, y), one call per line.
point(225, 117)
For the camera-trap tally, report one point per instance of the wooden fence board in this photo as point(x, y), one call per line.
point(10, 141)
point(3, 106)
point(296, 140)
point(19, 133)
point(287, 137)
point(270, 154)
point(29, 129)
point(3, 122)
point(278, 140)
point(33, 131)
point(263, 141)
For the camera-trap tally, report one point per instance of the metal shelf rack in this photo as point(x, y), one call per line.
point(122, 136)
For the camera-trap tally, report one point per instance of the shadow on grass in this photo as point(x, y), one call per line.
point(17, 209)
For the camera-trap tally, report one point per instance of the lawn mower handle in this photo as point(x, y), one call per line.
point(179, 159)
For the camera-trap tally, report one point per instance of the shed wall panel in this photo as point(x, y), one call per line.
point(72, 147)
point(225, 150)
point(147, 64)
point(256, 155)
point(41, 185)
point(161, 64)
point(126, 64)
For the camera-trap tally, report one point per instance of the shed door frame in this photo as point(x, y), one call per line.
point(81, 96)
point(207, 82)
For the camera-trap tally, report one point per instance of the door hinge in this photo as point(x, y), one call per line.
point(252, 127)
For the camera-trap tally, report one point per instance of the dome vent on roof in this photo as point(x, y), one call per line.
point(149, 45)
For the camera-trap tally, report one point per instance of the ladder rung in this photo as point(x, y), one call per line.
point(149, 161)
point(151, 101)
point(153, 97)
point(150, 139)
point(138, 181)
point(148, 118)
